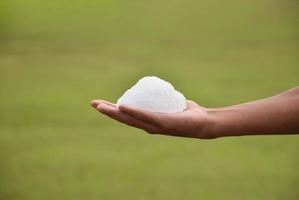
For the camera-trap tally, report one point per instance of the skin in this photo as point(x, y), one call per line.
point(274, 115)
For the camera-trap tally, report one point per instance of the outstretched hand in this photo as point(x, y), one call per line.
point(275, 115)
point(191, 122)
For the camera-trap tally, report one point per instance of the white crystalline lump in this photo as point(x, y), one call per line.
point(154, 94)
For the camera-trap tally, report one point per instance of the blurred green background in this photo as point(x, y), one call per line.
point(55, 56)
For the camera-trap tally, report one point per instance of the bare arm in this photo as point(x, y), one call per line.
point(275, 115)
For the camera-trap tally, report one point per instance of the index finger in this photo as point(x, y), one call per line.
point(95, 103)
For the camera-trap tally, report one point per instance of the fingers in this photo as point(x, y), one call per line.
point(112, 112)
point(95, 103)
point(150, 117)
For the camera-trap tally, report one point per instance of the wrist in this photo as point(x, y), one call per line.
point(209, 127)
point(226, 121)
point(218, 122)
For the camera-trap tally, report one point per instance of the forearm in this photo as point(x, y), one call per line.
point(275, 115)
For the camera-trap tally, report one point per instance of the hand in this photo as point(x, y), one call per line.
point(192, 122)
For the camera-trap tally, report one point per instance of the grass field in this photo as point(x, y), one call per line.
point(55, 56)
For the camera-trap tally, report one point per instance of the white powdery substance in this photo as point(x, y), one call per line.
point(155, 95)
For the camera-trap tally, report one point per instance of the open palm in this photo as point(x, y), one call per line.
point(188, 123)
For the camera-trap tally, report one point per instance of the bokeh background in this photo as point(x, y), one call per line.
point(55, 56)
